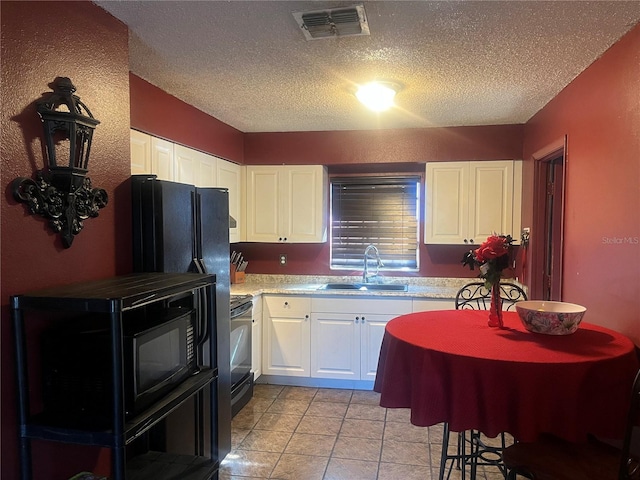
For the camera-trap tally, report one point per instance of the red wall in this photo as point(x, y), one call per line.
point(374, 151)
point(496, 142)
point(40, 41)
point(600, 114)
point(154, 111)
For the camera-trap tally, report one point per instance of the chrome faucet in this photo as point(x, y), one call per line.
point(367, 251)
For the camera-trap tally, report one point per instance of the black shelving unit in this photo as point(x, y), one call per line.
point(112, 298)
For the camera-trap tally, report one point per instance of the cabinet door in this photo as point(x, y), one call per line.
point(447, 209)
point(194, 167)
point(263, 204)
point(140, 144)
point(335, 346)
point(256, 337)
point(207, 173)
point(286, 332)
point(304, 206)
point(229, 177)
point(162, 159)
point(287, 204)
point(372, 326)
point(490, 200)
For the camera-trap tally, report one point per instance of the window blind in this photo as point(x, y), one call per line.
point(380, 211)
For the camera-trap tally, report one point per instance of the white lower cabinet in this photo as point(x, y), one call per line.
point(256, 337)
point(327, 337)
point(335, 346)
point(346, 335)
point(286, 335)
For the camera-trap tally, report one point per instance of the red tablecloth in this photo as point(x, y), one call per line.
point(449, 366)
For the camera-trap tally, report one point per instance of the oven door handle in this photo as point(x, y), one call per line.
point(241, 309)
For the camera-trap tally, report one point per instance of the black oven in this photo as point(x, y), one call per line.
point(241, 376)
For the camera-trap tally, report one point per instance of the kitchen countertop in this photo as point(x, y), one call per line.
point(421, 288)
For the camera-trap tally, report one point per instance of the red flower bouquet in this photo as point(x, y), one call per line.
point(492, 257)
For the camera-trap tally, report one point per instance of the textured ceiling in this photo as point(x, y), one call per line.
point(459, 62)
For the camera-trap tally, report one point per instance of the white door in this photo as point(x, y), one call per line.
point(229, 177)
point(194, 167)
point(263, 204)
point(286, 346)
point(372, 326)
point(490, 199)
point(162, 159)
point(303, 206)
point(140, 144)
point(447, 212)
point(335, 346)
point(256, 338)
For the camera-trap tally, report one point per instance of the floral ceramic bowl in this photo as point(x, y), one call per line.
point(551, 318)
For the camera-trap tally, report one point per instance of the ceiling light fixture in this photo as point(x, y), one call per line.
point(377, 96)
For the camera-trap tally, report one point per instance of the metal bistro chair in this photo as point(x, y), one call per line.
point(475, 296)
point(551, 458)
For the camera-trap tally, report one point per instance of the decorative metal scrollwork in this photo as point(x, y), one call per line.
point(65, 211)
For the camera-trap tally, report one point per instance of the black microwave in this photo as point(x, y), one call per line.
point(159, 353)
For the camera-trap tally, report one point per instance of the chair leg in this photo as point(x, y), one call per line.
point(485, 454)
point(459, 459)
point(445, 449)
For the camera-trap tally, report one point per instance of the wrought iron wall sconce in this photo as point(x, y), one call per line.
point(63, 193)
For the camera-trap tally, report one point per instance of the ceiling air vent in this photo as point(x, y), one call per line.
point(336, 22)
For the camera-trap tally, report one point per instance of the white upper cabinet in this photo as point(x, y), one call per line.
point(468, 201)
point(194, 167)
point(140, 152)
point(181, 164)
point(162, 159)
point(151, 155)
point(230, 177)
point(287, 203)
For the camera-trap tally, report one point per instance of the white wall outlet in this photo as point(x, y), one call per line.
point(283, 259)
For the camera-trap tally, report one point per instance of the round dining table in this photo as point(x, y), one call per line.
point(450, 366)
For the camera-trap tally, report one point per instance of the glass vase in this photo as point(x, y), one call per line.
point(495, 310)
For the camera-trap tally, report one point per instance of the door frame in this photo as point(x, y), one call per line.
point(538, 241)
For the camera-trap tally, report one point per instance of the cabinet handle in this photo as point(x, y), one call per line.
point(471, 240)
point(286, 304)
point(306, 317)
point(362, 319)
point(466, 241)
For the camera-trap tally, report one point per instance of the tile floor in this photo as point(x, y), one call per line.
point(302, 433)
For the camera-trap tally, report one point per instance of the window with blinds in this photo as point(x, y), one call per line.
point(380, 211)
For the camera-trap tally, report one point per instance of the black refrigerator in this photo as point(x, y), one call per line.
point(180, 228)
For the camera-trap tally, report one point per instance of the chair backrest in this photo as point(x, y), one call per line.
point(475, 296)
point(630, 460)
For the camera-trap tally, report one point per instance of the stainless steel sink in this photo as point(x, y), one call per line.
point(365, 287)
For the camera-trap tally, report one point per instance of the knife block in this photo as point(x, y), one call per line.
point(236, 276)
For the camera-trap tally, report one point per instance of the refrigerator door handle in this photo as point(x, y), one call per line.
point(203, 315)
point(196, 247)
point(199, 265)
